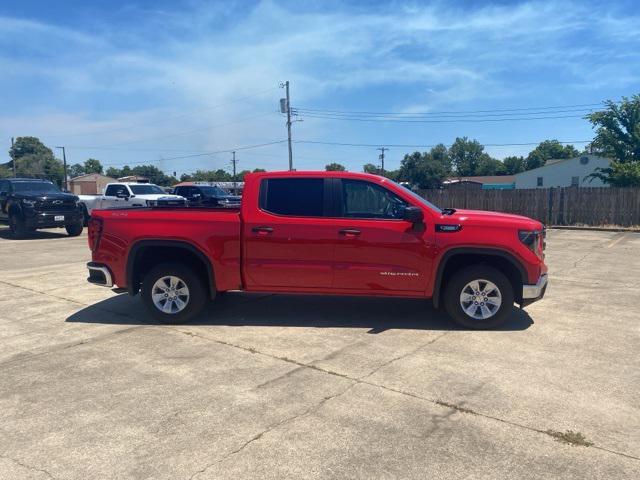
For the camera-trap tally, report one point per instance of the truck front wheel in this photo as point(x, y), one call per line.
point(479, 297)
point(74, 229)
point(173, 293)
point(17, 225)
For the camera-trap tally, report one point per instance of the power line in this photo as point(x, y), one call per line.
point(457, 120)
point(401, 145)
point(457, 115)
point(302, 109)
point(228, 150)
point(170, 117)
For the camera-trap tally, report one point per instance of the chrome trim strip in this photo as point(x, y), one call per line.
point(534, 291)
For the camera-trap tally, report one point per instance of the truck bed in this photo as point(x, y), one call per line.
point(213, 231)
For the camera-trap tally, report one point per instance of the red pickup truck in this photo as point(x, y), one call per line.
point(333, 233)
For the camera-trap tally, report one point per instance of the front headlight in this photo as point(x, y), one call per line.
point(29, 203)
point(532, 239)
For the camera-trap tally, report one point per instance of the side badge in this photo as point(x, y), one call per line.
point(443, 228)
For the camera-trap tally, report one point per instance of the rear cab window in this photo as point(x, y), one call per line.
point(294, 196)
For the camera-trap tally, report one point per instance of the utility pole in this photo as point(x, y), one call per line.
point(64, 165)
point(13, 162)
point(233, 162)
point(381, 157)
point(285, 107)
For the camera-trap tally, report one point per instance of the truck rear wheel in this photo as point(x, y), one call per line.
point(479, 297)
point(173, 293)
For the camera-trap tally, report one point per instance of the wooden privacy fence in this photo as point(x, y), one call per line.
point(552, 206)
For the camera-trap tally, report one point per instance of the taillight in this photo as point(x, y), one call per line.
point(94, 232)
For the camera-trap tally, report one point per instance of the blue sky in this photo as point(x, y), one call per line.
point(145, 82)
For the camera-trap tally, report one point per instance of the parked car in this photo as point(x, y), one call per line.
point(126, 195)
point(336, 233)
point(207, 195)
point(28, 204)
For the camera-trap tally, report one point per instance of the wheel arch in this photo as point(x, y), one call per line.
point(455, 259)
point(144, 254)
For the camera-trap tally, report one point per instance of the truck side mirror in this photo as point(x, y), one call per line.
point(413, 215)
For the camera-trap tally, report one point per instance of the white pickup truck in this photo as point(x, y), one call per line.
point(125, 195)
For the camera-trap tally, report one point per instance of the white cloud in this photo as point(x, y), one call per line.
point(177, 61)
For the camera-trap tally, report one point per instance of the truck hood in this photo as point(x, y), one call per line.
point(483, 217)
point(46, 197)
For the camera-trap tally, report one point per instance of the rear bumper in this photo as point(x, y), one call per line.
point(48, 219)
point(533, 293)
point(99, 274)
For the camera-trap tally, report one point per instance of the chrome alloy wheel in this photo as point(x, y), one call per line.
point(170, 294)
point(480, 299)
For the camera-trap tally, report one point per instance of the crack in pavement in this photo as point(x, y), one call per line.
point(405, 355)
point(28, 467)
point(273, 426)
point(439, 402)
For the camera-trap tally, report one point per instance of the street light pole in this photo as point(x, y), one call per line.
point(64, 165)
point(13, 158)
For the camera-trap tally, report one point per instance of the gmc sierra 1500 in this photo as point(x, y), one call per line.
point(334, 233)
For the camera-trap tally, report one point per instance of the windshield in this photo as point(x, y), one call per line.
point(423, 201)
point(146, 189)
point(213, 191)
point(35, 187)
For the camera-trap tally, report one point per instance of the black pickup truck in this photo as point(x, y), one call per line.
point(28, 204)
point(206, 195)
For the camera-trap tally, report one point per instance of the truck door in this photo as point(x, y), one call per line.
point(115, 196)
point(375, 250)
point(4, 195)
point(288, 238)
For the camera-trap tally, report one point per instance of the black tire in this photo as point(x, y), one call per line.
point(196, 292)
point(74, 229)
point(457, 284)
point(17, 225)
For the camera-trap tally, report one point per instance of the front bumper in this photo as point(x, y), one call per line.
point(99, 275)
point(533, 293)
point(35, 219)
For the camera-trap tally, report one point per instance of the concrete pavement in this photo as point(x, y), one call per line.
point(277, 386)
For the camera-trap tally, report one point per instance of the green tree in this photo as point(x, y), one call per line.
point(466, 155)
point(490, 166)
point(258, 170)
point(371, 168)
point(113, 172)
point(34, 159)
point(514, 165)
point(425, 170)
point(548, 150)
point(619, 174)
point(75, 170)
point(618, 130)
point(92, 166)
point(334, 167)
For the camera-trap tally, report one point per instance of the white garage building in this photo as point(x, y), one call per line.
point(570, 172)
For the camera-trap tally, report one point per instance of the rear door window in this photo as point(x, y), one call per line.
point(299, 197)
